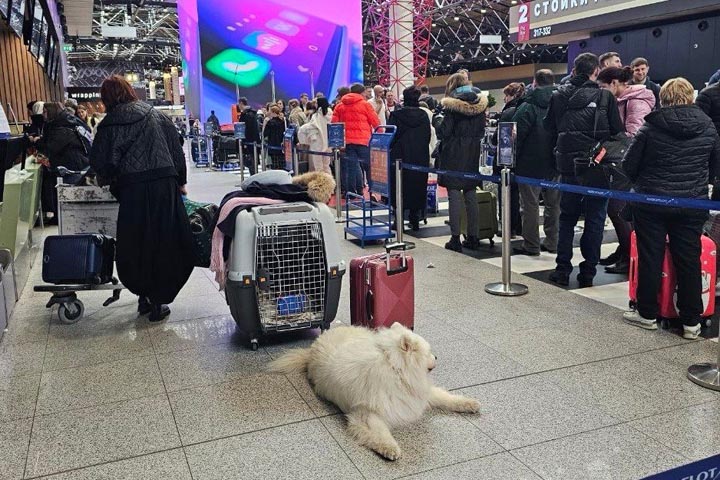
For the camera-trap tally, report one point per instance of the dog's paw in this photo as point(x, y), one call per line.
point(389, 451)
point(467, 405)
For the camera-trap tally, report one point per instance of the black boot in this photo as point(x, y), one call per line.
point(158, 312)
point(471, 243)
point(622, 267)
point(610, 259)
point(454, 244)
point(144, 306)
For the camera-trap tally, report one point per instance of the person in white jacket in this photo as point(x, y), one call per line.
point(314, 134)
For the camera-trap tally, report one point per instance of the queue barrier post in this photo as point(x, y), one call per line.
point(506, 288)
point(338, 189)
point(295, 161)
point(399, 208)
point(706, 374)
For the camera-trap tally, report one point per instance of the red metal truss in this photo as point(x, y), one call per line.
point(380, 26)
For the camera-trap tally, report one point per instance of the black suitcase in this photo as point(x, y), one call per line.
point(78, 259)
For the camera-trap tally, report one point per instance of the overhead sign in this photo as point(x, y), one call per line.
point(536, 19)
point(111, 31)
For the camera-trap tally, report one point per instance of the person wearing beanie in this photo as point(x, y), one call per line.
point(410, 145)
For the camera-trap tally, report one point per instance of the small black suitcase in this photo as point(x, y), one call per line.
point(78, 259)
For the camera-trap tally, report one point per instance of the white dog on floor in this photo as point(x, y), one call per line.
point(379, 379)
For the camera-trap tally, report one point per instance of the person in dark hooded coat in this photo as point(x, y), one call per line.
point(675, 153)
point(137, 152)
point(460, 135)
point(410, 145)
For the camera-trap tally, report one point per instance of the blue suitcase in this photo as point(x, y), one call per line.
point(78, 259)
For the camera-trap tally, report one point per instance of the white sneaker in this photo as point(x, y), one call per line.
point(633, 318)
point(691, 333)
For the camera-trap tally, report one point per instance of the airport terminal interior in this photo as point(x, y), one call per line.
point(359, 239)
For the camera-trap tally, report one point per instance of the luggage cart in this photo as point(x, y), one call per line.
point(285, 270)
point(369, 225)
point(81, 209)
point(202, 150)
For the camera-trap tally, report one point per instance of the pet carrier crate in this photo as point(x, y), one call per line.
point(285, 269)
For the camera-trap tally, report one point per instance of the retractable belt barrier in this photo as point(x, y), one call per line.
point(704, 374)
point(313, 152)
point(659, 200)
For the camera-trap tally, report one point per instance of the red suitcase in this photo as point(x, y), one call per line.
point(382, 289)
point(667, 296)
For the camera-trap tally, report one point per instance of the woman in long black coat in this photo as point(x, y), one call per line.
point(411, 145)
point(137, 152)
point(460, 135)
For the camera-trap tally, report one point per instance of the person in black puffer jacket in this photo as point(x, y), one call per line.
point(460, 134)
point(676, 153)
point(535, 159)
point(571, 119)
point(709, 102)
point(137, 152)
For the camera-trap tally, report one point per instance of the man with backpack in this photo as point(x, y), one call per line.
point(579, 116)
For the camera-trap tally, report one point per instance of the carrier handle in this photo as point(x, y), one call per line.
point(385, 129)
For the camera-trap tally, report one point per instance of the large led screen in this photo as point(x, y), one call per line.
point(237, 47)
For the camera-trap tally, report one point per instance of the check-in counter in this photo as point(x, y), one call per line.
point(19, 209)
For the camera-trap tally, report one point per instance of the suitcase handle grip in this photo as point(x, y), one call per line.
point(393, 271)
point(368, 307)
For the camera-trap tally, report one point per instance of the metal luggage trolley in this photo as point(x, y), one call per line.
point(285, 270)
point(369, 225)
point(82, 209)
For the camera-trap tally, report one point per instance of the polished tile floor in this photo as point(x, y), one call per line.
point(568, 391)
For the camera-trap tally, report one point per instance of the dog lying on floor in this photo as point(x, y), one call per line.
point(379, 379)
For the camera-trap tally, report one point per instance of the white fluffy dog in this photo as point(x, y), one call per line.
point(379, 379)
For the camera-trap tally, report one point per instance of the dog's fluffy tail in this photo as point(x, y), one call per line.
point(294, 361)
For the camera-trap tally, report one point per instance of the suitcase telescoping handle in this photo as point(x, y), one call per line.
point(403, 247)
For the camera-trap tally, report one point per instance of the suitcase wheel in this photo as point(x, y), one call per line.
point(632, 304)
point(254, 344)
point(71, 312)
point(665, 324)
point(492, 243)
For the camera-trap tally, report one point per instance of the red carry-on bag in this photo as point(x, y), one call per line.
point(382, 289)
point(667, 296)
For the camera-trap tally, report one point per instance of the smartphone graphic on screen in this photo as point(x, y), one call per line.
point(245, 42)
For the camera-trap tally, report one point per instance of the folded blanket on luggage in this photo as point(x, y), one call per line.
point(230, 209)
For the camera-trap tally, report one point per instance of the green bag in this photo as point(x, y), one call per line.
point(202, 216)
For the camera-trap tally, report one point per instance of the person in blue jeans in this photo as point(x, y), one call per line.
point(580, 114)
point(572, 205)
point(350, 170)
point(360, 119)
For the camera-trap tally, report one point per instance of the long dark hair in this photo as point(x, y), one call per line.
point(323, 105)
point(116, 91)
point(622, 75)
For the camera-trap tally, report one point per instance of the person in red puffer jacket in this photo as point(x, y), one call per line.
point(360, 119)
